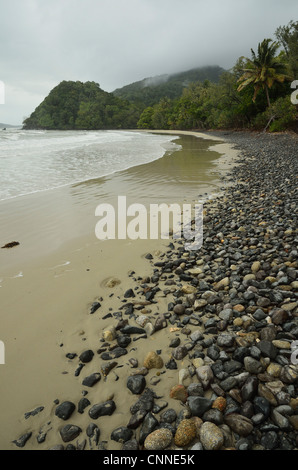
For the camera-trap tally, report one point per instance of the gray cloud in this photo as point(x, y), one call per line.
point(116, 42)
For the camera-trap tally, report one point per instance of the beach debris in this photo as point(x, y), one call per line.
point(21, 442)
point(10, 245)
point(34, 412)
point(95, 306)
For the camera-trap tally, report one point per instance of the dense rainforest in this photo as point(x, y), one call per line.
point(256, 93)
point(259, 92)
point(77, 105)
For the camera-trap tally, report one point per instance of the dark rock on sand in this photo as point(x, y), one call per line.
point(136, 384)
point(95, 306)
point(69, 432)
point(129, 293)
point(114, 354)
point(21, 441)
point(199, 405)
point(106, 408)
point(145, 402)
point(93, 433)
point(122, 434)
point(149, 425)
point(83, 403)
point(86, 356)
point(92, 379)
point(65, 410)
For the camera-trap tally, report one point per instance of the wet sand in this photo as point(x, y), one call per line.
point(50, 281)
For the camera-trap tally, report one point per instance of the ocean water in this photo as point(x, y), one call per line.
point(33, 161)
point(51, 183)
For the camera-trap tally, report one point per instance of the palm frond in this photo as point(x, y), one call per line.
point(263, 69)
point(245, 83)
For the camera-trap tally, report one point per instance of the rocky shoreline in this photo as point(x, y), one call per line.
point(223, 322)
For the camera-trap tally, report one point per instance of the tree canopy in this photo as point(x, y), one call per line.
point(254, 92)
point(77, 105)
point(264, 69)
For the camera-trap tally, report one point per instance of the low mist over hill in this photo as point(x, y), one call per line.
point(150, 91)
point(77, 105)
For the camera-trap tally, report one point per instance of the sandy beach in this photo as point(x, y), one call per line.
point(49, 283)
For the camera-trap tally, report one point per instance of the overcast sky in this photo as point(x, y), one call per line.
point(117, 42)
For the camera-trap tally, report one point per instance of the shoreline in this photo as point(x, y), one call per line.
point(53, 213)
point(222, 325)
point(45, 306)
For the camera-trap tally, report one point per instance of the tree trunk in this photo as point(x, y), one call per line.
point(267, 95)
point(269, 122)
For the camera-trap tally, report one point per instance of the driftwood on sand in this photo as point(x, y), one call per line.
point(10, 245)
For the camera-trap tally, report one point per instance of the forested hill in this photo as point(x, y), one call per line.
point(77, 105)
point(85, 106)
point(151, 90)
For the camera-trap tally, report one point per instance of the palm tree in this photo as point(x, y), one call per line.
point(264, 69)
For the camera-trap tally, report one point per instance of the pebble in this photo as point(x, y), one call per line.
point(225, 340)
point(279, 344)
point(252, 365)
point(211, 436)
point(69, 432)
point(102, 409)
point(86, 356)
point(158, 440)
point(168, 416)
point(256, 266)
point(21, 441)
point(153, 361)
point(148, 426)
point(183, 375)
point(222, 283)
point(205, 375)
point(180, 352)
point(195, 389)
point(239, 424)
point(83, 403)
point(186, 432)
point(198, 405)
point(179, 309)
point(65, 410)
point(179, 392)
point(136, 384)
point(114, 354)
point(187, 289)
point(121, 434)
point(219, 403)
point(92, 379)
